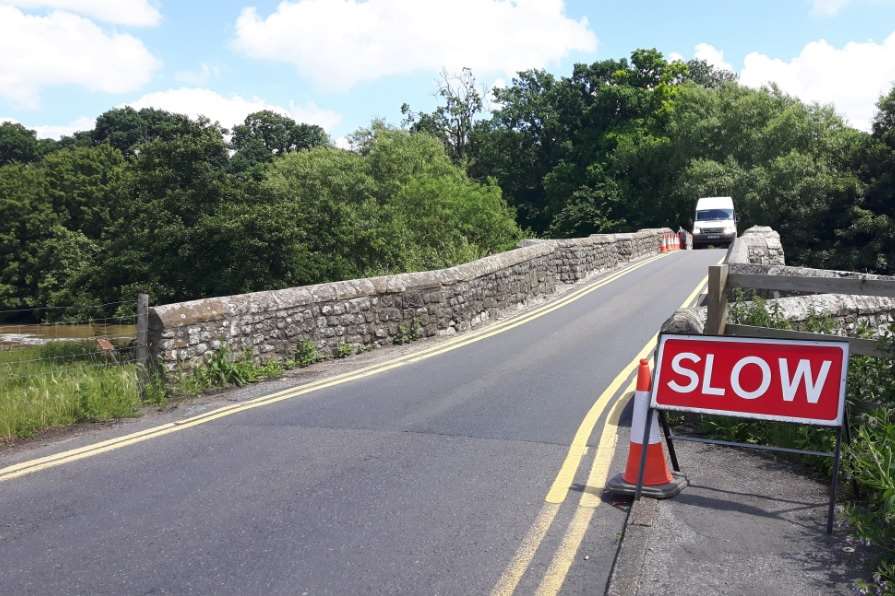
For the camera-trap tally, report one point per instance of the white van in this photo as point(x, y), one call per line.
point(715, 222)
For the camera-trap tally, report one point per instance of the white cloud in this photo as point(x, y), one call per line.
point(709, 53)
point(138, 13)
point(198, 77)
point(675, 57)
point(65, 49)
point(851, 77)
point(230, 110)
point(339, 43)
point(55, 131)
point(827, 8)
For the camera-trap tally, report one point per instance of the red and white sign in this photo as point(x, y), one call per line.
point(771, 379)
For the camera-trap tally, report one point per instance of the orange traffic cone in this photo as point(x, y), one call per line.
point(658, 480)
point(663, 246)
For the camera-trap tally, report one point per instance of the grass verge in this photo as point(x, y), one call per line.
point(51, 386)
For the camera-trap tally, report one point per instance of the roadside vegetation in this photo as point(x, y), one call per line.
point(60, 384)
point(870, 457)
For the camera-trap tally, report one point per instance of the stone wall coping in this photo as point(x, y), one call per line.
point(797, 309)
point(754, 268)
point(210, 309)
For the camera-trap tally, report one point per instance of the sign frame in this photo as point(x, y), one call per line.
point(841, 344)
point(840, 426)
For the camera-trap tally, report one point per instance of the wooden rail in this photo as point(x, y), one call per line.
point(721, 279)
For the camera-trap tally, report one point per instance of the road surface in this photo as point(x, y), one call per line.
point(429, 478)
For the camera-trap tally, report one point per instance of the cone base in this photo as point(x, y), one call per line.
point(618, 486)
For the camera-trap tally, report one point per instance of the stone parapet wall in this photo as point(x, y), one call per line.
point(759, 245)
point(373, 312)
point(758, 251)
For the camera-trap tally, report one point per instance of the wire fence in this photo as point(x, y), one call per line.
point(76, 345)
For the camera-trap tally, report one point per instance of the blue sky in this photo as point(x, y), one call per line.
point(340, 63)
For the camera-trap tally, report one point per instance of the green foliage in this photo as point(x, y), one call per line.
point(61, 385)
point(871, 461)
point(265, 134)
point(67, 351)
point(343, 350)
point(408, 333)
point(631, 143)
point(306, 353)
point(18, 144)
point(224, 369)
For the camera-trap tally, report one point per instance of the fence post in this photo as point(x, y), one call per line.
point(717, 300)
point(142, 343)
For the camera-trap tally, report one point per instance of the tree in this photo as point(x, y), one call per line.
point(397, 204)
point(126, 128)
point(867, 240)
point(704, 74)
point(453, 121)
point(84, 185)
point(17, 144)
point(266, 134)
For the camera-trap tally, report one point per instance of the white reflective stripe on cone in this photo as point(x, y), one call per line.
point(638, 420)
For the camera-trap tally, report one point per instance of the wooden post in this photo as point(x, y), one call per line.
point(142, 352)
point(717, 300)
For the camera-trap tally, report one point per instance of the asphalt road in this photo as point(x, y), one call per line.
point(424, 479)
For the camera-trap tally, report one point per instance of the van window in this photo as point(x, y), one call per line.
point(714, 214)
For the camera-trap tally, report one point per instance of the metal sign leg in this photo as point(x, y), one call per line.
point(643, 448)
point(666, 430)
point(835, 484)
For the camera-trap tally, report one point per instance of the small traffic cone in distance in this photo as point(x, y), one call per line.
point(658, 480)
point(663, 246)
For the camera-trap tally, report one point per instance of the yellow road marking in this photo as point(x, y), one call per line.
point(71, 455)
point(590, 498)
point(524, 555)
point(507, 583)
point(566, 475)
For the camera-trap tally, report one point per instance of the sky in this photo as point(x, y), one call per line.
point(341, 63)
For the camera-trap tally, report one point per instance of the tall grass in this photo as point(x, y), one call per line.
point(60, 384)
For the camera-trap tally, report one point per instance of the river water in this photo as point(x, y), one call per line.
point(13, 336)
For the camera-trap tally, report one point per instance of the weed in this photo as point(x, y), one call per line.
point(223, 370)
point(306, 353)
point(408, 333)
point(343, 350)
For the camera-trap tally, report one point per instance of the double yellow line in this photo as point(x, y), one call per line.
point(72, 455)
point(590, 499)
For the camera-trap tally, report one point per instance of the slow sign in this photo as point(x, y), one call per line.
point(771, 379)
